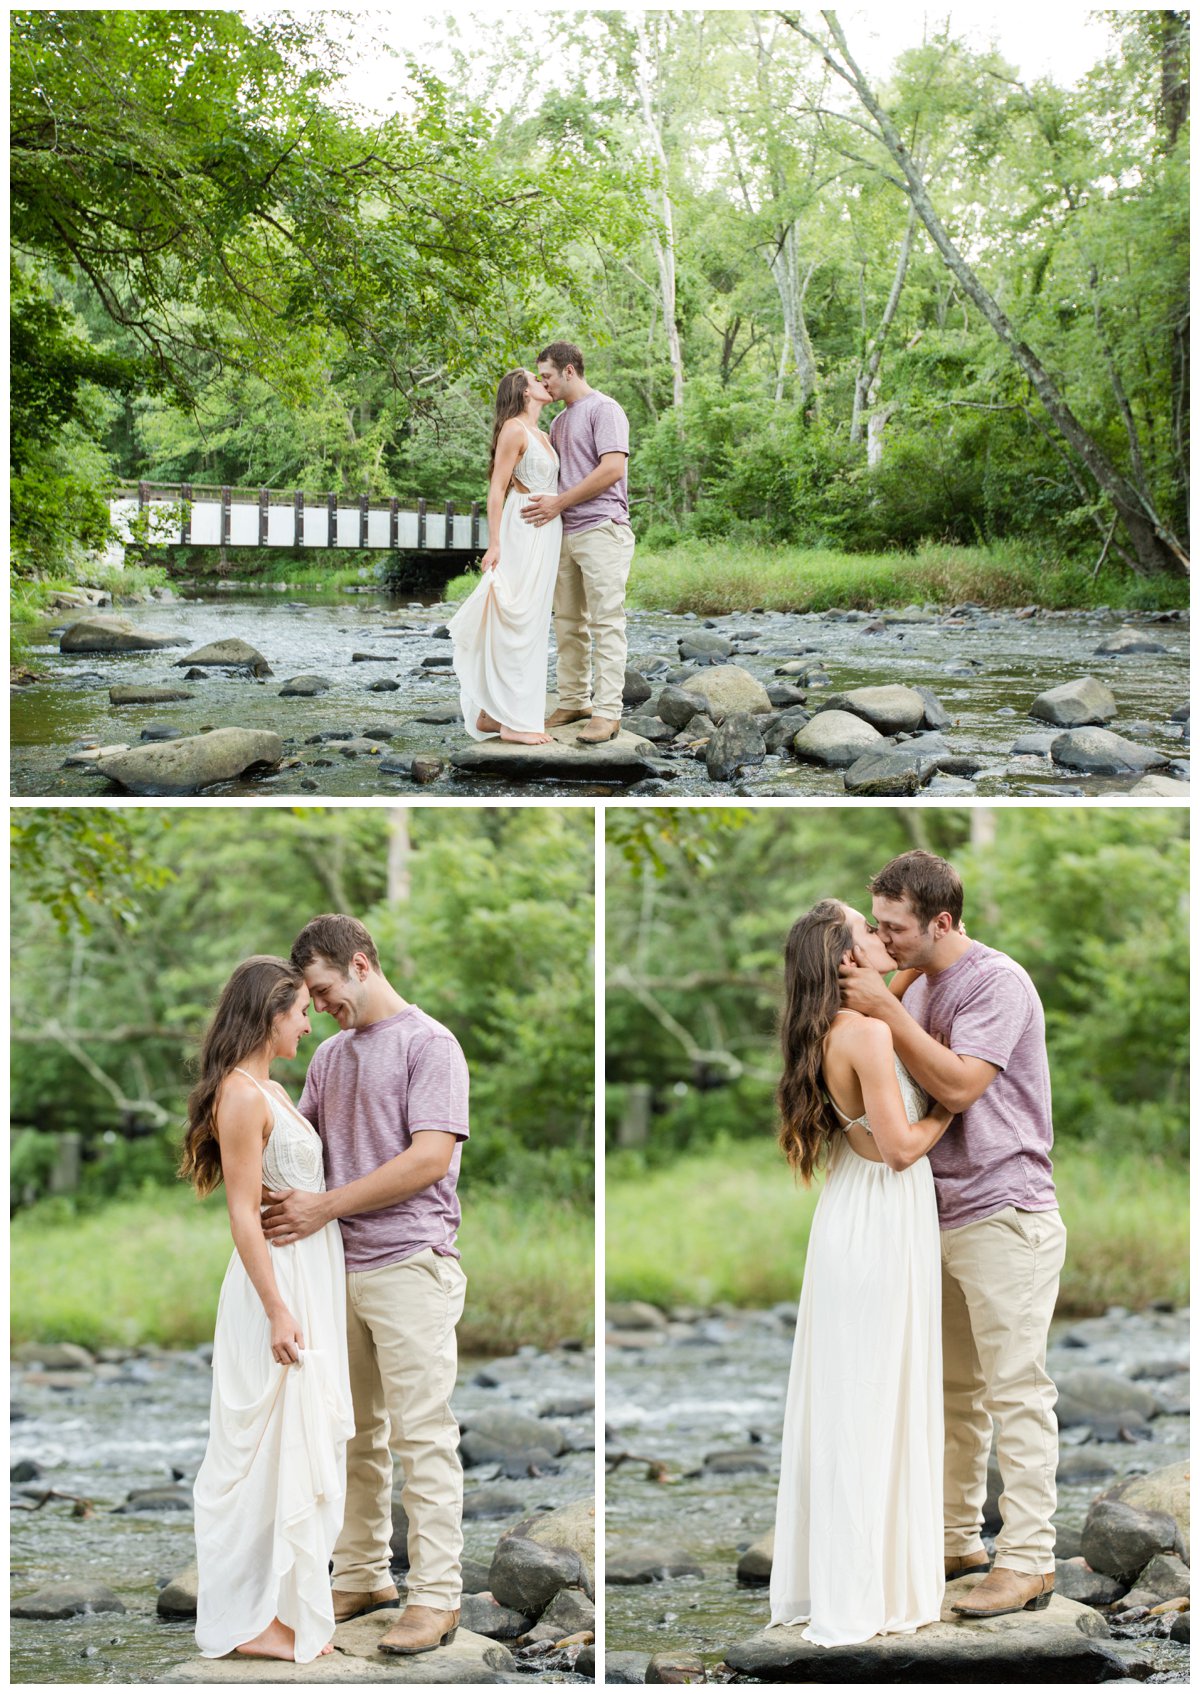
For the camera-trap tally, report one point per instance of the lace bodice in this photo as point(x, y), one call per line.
point(537, 468)
point(913, 1096)
point(292, 1157)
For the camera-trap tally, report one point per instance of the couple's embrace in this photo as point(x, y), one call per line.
point(559, 537)
point(932, 1270)
point(335, 1334)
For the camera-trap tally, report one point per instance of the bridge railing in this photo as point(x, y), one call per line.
point(207, 515)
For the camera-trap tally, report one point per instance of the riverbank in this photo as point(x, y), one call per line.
point(731, 1225)
point(148, 1271)
point(715, 578)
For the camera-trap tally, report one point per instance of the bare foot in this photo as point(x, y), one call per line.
point(487, 724)
point(277, 1641)
point(526, 738)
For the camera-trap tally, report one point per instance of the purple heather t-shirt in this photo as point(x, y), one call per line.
point(580, 435)
point(367, 1093)
point(997, 1152)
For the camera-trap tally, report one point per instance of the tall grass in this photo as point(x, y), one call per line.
point(711, 578)
point(732, 1225)
point(149, 1270)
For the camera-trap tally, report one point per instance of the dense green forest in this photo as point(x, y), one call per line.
point(126, 923)
point(948, 305)
point(699, 1204)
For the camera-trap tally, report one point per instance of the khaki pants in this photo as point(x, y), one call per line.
point(999, 1284)
point(589, 611)
point(403, 1359)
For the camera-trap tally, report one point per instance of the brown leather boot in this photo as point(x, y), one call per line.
point(347, 1605)
point(966, 1564)
point(600, 729)
point(1004, 1591)
point(565, 714)
point(420, 1629)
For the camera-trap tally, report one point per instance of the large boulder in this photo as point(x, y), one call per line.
point(1120, 1539)
point(636, 690)
point(147, 696)
point(230, 652)
point(889, 709)
point(67, 1600)
point(1126, 640)
point(1072, 704)
point(525, 1575)
point(111, 635)
point(1091, 1393)
point(1167, 1489)
point(735, 743)
point(890, 770)
point(571, 1527)
point(727, 689)
point(193, 763)
point(1098, 752)
point(511, 1429)
point(836, 738)
point(626, 758)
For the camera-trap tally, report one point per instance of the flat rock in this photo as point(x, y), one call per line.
point(626, 758)
point(1127, 640)
point(304, 687)
point(625, 1668)
point(888, 709)
point(1162, 787)
point(1085, 700)
point(1064, 1643)
point(892, 770)
point(364, 744)
point(636, 1568)
point(147, 696)
point(67, 1600)
point(1037, 741)
point(112, 635)
point(469, 1659)
point(230, 652)
point(836, 738)
point(1099, 752)
point(193, 763)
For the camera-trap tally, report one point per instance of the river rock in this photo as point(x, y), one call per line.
point(78, 599)
point(230, 652)
point(636, 690)
point(649, 729)
point(624, 1668)
point(728, 689)
point(736, 1461)
point(737, 742)
point(304, 687)
point(1167, 1489)
point(635, 1314)
point(754, 1566)
point(366, 745)
point(696, 729)
point(426, 768)
point(936, 715)
point(635, 1568)
point(491, 1503)
point(700, 644)
point(147, 696)
point(483, 1614)
point(836, 738)
point(1162, 787)
point(1037, 741)
point(678, 706)
point(1167, 1577)
point(1126, 640)
point(25, 1470)
point(178, 1598)
point(1099, 752)
point(53, 1355)
point(887, 709)
point(569, 1613)
point(892, 770)
point(1075, 1580)
point(1085, 1392)
point(782, 695)
point(193, 763)
point(156, 1500)
point(1064, 1643)
point(510, 1429)
point(469, 1659)
point(370, 658)
point(572, 1527)
point(1073, 704)
point(399, 1541)
point(526, 1575)
point(385, 685)
point(626, 758)
point(677, 1667)
point(111, 635)
point(160, 732)
point(66, 1600)
point(1121, 1539)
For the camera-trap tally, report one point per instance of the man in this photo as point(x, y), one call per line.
point(1002, 1239)
point(591, 437)
point(388, 1097)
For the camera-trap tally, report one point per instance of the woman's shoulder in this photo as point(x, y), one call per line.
point(239, 1099)
point(512, 429)
point(853, 1032)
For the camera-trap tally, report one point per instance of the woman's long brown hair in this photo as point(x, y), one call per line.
point(260, 989)
point(510, 403)
point(814, 949)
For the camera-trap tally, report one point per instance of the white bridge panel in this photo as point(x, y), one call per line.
point(243, 526)
point(316, 526)
point(206, 523)
point(435, 529)
point(281, 526)
point(407, 530)
point(462, 531)
point(347, 526)
point(379, 525)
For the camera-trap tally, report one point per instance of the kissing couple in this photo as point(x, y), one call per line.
point(932, 1270)
point(335, 1335)
point(559, 536)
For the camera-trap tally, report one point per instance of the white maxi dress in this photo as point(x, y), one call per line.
point(858, 1528)
point(271, 1491)
point(501, 632)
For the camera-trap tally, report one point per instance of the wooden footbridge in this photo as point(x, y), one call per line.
point(194, 515)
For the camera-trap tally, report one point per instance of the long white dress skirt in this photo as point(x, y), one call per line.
point(858, 1532)
point(501, 632)
point(271, 1491)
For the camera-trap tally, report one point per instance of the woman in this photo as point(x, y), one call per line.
point(501, 632)
point(271, 1490)
point(858, 1532)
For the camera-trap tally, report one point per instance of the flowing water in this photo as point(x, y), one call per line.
point(720, 1384)
point(986, 668)
point(145, 1420)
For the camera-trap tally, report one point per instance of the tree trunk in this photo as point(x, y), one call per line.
point(784, 261)
point(664, 242)
point(866, 383)
point(1155, 547)
point(399, 884)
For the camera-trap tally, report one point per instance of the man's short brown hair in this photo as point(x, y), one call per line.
point(928, 883)
point(335, 937)
point(561, 354)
